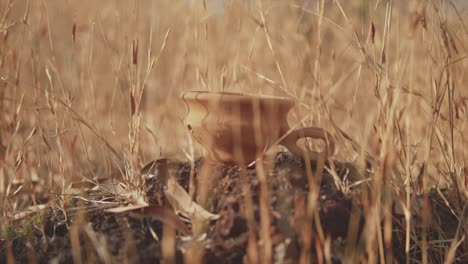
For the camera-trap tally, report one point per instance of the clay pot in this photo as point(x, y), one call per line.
point(236, 128)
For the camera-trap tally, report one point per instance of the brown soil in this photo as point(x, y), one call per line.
point(129, 238)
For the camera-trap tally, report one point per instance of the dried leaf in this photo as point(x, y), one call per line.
point(163, 214)
point(181, 201)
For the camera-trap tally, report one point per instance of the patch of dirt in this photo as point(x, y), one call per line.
point(108, 237)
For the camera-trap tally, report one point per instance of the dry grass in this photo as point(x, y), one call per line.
point(89, 90)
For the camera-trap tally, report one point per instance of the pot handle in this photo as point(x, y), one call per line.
point(290, 142)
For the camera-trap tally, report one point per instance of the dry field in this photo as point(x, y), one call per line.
point(89, 92)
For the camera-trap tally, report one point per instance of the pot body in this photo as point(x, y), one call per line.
point(235, 128)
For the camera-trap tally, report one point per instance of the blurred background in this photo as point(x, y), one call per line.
point(81, 79)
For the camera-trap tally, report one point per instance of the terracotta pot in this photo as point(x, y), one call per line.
point(236, 128)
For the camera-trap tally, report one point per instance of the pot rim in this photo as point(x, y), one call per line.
point(233, 97)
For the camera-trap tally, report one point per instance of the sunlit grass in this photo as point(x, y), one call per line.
point(90, 91)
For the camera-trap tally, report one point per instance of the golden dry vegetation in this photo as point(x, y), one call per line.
point(90, 89)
